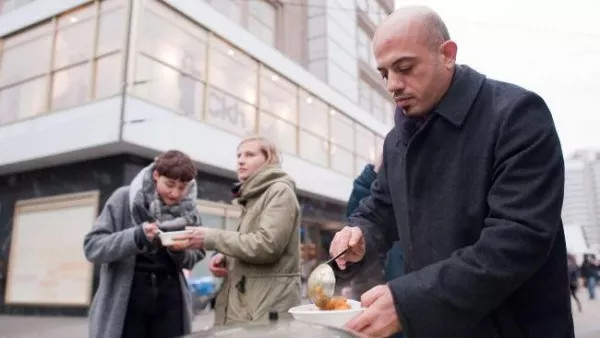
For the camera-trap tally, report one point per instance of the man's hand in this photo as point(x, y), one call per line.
point(194, 237)
point(379, 318)
point(348, 237)
point(150, 230)
point(217, 265)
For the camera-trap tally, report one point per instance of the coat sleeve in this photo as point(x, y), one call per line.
point(360, 188)
point(525, 200)
point(104, 243)
point(375, 214)
point(375, 217)
point(266, 245)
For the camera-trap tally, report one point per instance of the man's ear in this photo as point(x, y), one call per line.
point(155, 175)
point(448, 51)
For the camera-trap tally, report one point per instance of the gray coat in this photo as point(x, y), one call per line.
point(111, 243)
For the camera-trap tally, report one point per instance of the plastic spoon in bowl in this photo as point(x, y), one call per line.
point(323, 278)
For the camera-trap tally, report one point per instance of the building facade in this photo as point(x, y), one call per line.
point(581, 207)
point(91, 91)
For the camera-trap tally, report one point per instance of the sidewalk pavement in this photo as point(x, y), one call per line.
point(587, 323)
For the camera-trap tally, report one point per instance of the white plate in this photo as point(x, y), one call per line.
point(337, 318)
point(166, 238)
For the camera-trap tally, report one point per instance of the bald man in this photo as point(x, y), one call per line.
point(472, 185)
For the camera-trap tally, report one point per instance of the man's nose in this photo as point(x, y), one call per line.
point(396, 83)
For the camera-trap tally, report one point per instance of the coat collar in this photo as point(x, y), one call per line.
point(456, 103)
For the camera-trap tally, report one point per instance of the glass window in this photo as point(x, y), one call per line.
point(191, 95)
point(282, 133)
point(376, 12)
point(379, 106)
point(231, 114)
point(77, 16)
point(342, 130)
point(70, 86)
point(26, 60)
point(111, 30)
point(29, 34)
point(365, 143)
point(23, 100)
point(360, 164)
point(363, 5)
point(313, 148)
point(379, 143)
point(261, 20)
point(232, 9)
point(313, 114)
point(342, 160)
point(390, 109)
point(180, 45)
point(363, 44)
point(364, 95)
point(278, 95)
point(157, 82)
point(74, 44)
point(107, 5)
point(109, 74)
point(233, 71)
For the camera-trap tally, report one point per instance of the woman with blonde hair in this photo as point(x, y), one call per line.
point(261, 260)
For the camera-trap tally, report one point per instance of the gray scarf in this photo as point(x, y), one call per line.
point(146, 205)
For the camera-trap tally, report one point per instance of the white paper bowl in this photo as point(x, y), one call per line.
point(336, 318)
point(166, 238)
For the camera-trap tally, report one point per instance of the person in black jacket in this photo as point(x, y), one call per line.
point(472, 185)
point(393, 260)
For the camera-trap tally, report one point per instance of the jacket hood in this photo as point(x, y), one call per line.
point(260, 181)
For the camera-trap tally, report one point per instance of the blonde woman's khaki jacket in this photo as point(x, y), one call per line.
point(263, 256)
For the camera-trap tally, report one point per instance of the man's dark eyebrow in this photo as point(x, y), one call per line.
point(397, 61)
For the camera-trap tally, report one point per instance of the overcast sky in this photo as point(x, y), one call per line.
point(548, 46)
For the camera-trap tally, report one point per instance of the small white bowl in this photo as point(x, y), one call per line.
point(337, 318)
point(166, 238)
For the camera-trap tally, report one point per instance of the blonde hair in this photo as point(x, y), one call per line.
point(267, 148)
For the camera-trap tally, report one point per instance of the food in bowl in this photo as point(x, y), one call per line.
point(337, 318)
point(325, 303)
point(167, 238)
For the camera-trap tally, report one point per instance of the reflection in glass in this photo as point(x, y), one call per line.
point(229, 113)
point(233, 71)
point(29, 59)
point(23, 100)
point(342, 160)
point(342, 130)
point(313, 148)
point(278, 95)
point(74, 44)
point(108, 75)
point(313, 114)
point(278, 131)
point(261, 20)
point(70, 86)
point(111, 31)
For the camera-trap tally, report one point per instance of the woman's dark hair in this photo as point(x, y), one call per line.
point(175, 165)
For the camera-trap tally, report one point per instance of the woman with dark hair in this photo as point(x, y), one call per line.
point(142, 291)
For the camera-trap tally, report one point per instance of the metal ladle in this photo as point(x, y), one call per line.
point(322, 277)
